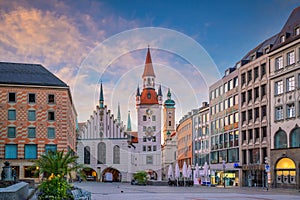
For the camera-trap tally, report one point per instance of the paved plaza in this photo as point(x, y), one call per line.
point(124, 191)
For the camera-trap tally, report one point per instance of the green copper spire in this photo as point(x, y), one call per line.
point(119, 114)
point(169, 103)
point(101, 100)
point(128, 122)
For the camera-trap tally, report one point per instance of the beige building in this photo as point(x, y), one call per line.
point(224, 130)
point(254, 117)
point(285, 105)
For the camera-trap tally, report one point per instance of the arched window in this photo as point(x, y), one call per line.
point(285, 171)
point(280, 140)
point(101, 153)
point(87, 155)
point(116, 158)
point(295, 138)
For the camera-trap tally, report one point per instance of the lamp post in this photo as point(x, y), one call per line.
point(224, 162)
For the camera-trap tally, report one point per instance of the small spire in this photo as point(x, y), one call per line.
point(119, 114)
point(128, 122)
point(169, 94)
point(138, 91)
point(101, 99)
point(159, 91)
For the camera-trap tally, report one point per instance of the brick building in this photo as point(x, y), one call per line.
point(37, 114)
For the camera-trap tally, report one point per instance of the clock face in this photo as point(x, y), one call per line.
point(149, 111)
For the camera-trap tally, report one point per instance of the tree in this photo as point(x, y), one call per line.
point(55, 166)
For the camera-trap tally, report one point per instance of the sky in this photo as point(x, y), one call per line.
point(85, 42)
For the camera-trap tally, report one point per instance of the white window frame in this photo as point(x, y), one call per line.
point(290, 56)
point(278, 113)
point(278, 63)
point(290, 84)
point(290, 110)
point(279, 87)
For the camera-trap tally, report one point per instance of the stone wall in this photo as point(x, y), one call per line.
point(17, 191)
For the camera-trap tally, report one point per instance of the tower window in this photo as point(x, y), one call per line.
point(149, 95)
point(170, 123)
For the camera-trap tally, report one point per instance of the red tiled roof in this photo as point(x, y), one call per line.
point(146, 93)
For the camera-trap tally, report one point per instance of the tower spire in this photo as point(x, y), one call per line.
point(101, 99)
point(148, 75)
point(119, 114)
point(128, 122)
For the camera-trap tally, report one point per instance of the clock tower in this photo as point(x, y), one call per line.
point(148, 105)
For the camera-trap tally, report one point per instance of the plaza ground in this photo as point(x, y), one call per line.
point(125, 191)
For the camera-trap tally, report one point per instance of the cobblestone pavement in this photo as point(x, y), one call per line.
point(111, 191)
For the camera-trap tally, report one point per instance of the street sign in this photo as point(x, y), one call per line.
point(267, 168)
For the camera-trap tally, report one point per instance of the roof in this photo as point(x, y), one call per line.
point(28, 74)
point(149, 96)
point(288, 29)
point(148, 70)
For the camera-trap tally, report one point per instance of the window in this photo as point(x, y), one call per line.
point(31, 98)
point(290, 58)
point(235, 82)
point(278, 113)
point(290, 84)
point(236, 117)
point(263, 70)
point(221, 89)
point(50, 148)
point(144, 139)
point(282, 39)
point(11, 114)
point(249, 74)
point(31, 132)
point(149, 148)
point(243, 116)
point(264, 131)
point(101, 153)
point(154, 148)
point(116, 157)
point(250, 134)
point(243, 79)
point(256, 73)
point(11, 132)
point(149, 160)
point(263, 111)
point(144, 118)
point(295, 137)
point(230, 102)
point(263, 91)
point(30, 151)
point(31, 115)
point(51, 133)
point(87, 155)
point(236, 99)
point(230, 85)
point(217, 92)
point(278, 63)
point(249, 95)
point(250, 116)
point(11, 97)
point(144, 148)
point(29, 172)
point(256, 93)
point(11, 151)
point(243, 97)
point(51, 116)
point(144, 128)
point(51, 98)
point(149, 95)
point(154, 139)
point(153, 118)
point(279, 87)
point(225, 87)
point(290, 111)
point(256, 113)
point(280, 140)
point(297, 31)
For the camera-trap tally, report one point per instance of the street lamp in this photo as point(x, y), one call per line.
point(224, 162)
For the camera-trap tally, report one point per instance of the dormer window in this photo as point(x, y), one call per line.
point(282, 39)
point(267, 50)
point(297, 31)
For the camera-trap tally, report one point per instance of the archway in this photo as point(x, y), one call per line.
point(151, 174)
point(111, 175)
point(285, 170)
point(89, 174)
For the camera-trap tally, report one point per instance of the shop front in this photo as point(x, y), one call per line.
point(229, 177)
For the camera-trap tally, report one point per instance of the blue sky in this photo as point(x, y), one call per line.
point(85, 41)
